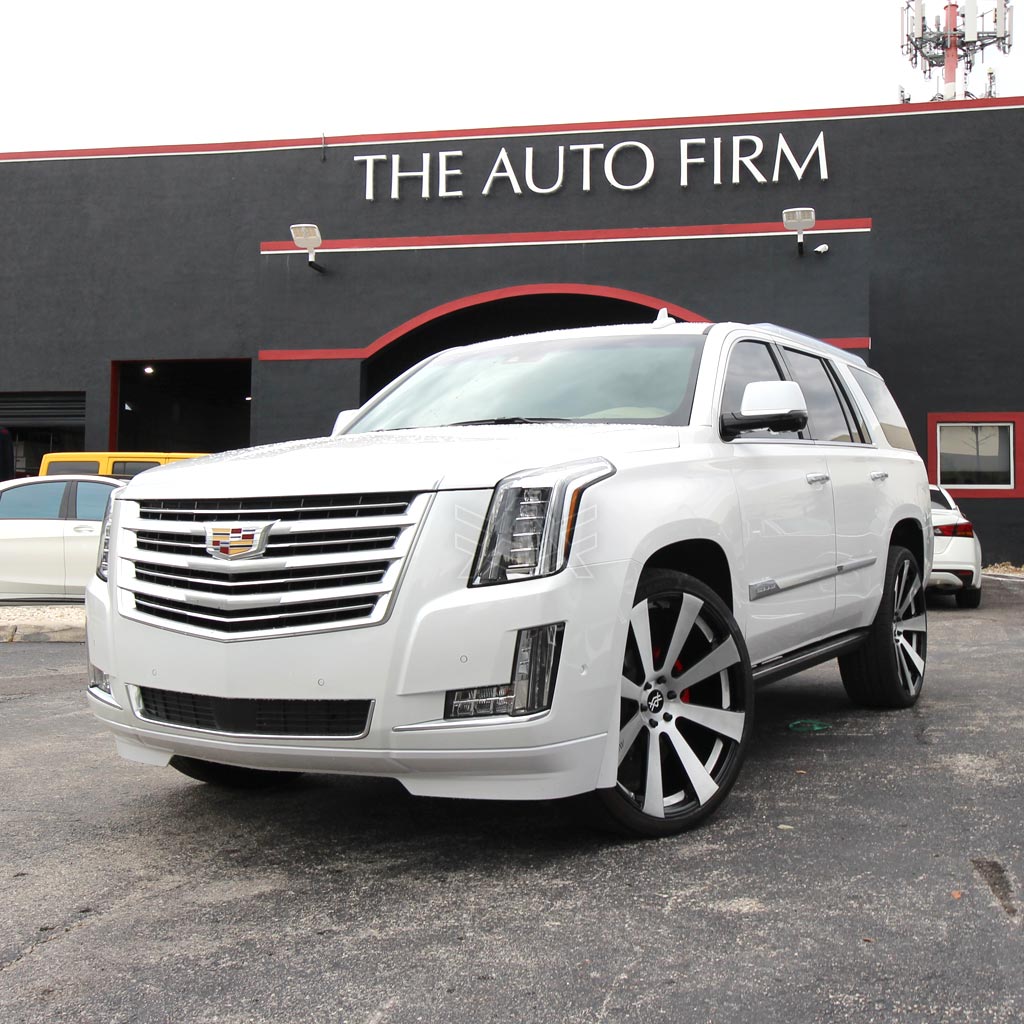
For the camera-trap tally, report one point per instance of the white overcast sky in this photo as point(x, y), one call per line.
point(82, 75)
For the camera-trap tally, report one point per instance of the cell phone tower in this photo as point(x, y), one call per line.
point(959, 37)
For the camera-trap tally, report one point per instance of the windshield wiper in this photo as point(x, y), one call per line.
point(502, 420)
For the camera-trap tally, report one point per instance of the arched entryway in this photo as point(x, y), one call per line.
point(502, 313)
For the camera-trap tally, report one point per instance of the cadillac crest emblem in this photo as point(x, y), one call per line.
point(239, 540)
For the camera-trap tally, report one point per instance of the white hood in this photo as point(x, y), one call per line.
point(435, 458)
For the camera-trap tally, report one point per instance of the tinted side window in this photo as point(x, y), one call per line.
point(884, 406)
point(60, 468)
point(749, 361)
point(825, 414)
point(91, 500)
point(130, 469)
point(32, 501)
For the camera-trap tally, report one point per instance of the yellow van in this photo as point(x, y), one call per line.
point(122, 465)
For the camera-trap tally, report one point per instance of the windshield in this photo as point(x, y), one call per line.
point(611, 379)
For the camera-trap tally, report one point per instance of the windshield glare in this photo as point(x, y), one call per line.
point(617, 379)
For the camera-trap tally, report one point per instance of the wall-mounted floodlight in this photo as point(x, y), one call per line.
point(307, 236)
point(800, 219)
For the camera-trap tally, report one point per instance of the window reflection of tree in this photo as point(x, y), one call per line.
point(975, 453)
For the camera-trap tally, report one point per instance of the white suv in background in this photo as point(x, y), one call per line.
point(530, 568)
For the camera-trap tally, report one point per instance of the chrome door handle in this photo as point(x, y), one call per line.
point(879, 474)
point(84, 529)
point(817, 478)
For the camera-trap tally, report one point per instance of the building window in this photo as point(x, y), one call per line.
point(976, 455)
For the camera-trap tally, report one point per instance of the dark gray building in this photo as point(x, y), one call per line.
point(153, 299)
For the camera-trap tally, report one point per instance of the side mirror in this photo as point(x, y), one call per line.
point(342, 420)
point(777, 405)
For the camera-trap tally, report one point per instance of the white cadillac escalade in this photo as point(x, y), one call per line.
point(530, 568)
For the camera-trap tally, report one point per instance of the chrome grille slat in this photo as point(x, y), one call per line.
point(313, 577)
point(318, 506)
point(191, 562)
point(283, 528)
point(276, 602)
point(328, 560)
point(233, 620)
point(284, 546)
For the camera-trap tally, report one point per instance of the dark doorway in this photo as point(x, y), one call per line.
point(38, 422)
point(496, 319)
point(199, 405)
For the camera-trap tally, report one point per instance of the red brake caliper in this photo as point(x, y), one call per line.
point(678, 669)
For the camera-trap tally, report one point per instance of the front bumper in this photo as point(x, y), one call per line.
point(441, 635)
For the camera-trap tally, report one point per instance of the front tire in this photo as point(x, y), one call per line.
point(686, 707)
point(230, 776)
point(888, 671)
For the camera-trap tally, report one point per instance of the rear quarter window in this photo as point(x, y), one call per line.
point(883, 405)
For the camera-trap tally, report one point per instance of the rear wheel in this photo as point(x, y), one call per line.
point(888, 671)
point(968, 597)
point(686, 707)
point(230, 776)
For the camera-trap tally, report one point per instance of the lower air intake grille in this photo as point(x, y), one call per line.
point(341, 718)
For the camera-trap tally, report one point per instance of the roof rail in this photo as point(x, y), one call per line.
point(812, 342)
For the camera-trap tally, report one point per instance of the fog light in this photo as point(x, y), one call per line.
point(99, 680)
point(481, 701)
point(534, 667)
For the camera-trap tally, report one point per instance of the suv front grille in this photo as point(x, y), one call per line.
point(325, 560)
point(255, 717)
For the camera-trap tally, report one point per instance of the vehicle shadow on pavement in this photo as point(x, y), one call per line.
point(331, 819)
point(324, 819)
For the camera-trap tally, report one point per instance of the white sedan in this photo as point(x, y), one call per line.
point(49, 535)
point(956, 568)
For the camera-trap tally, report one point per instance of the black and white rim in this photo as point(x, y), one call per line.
point(909, 627)
point(682, 709)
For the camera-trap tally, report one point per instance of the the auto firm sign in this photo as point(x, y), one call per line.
point(627, 166)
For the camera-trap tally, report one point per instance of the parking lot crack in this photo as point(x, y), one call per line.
point(79, 918)
point(49, 933)
point(622, 976)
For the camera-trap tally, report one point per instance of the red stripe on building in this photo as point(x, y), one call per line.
point(812, 114)
point(849, 343)
point(567, 237)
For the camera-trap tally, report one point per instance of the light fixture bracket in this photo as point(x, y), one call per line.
point(798, 219)
point(307, 236)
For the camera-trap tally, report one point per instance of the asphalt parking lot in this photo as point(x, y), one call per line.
point(866, 868)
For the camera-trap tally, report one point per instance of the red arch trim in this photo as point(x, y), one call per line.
point(603, 291)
